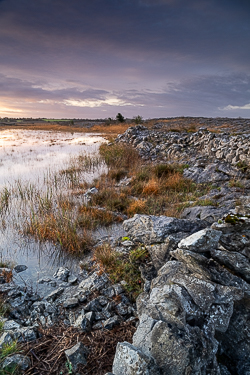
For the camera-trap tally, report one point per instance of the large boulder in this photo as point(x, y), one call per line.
point(149, 229)
point(129, 360)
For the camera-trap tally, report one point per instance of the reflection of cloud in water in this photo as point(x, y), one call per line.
point(32, 168)
point(32, 156)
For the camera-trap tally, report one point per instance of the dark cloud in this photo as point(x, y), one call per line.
point(60, 50)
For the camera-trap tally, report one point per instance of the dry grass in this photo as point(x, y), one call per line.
point(60, 230)
point(47, 353)
point(91, 217)
point(153, 189)
point(136, 207)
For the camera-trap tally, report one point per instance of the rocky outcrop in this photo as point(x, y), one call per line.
point(194, 318)
point(193, 148)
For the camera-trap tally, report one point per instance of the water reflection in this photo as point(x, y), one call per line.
point(29, 158)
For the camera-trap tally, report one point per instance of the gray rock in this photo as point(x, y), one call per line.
point(77, 355)
point(53, 295)
point(159, 253)
point(25, 334)
point(202, 241)
point(20, 268)
point(70, 303)
point(234, 261)
point(72, 279)
point(94, 282)
point(83, 323)
point(16, 361)
point(93, 305)
point(154, 229)
point(111, 322)
point(129, 360)
point(10, 325)
point(62, 274)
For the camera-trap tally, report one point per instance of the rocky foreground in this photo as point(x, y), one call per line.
point(194, 315)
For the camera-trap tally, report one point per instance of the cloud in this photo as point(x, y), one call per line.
point(233, 107)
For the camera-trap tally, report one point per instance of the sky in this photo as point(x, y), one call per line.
point(153, 58)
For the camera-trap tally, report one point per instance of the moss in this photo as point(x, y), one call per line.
point(231, 219)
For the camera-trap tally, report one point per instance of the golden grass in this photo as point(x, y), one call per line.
point(151, 188)
point(60, 230)
point(136, 207)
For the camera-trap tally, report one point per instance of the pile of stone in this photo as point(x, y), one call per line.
point(187, 147)
point(87, 301)
point(194, 317)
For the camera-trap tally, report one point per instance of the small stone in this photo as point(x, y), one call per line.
point(83, 323)
point(102, 300)
point(111, 322)
point(25, 334)
point(122, 309)
point(72, 279)
point(10, 324)
point(93, 305)
point(62, 274)
point(118, 289)
point(20, 268)
point(16, 360)
point(90, 316)
point(53, 295)
point(70, 303)
point(98, 325)
point(109, 292)
point(77, 355)
point(202, 241)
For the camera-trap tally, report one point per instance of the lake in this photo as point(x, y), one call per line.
point(30, 163)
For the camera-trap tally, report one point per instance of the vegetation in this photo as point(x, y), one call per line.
point(138, 119)
point(123, 267)
point(119, 117)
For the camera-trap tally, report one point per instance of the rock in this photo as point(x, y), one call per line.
point(149, 229)
point(93, 305)
point(5, 339)
point(159, 253)
point(77, 355)
point(16, 360)
point(83, 323)
point(109, 292)
point(209, 174)
point(111, 322)
point(53, 295)
point(234, 261)
point(20, 268)
point(202, 241)
point(70, 303)
point(25, 334)
point(129, 360)
point(72, 279)
point(10, 325)
point(122, 309)
point(62, 274)
point(94, 282)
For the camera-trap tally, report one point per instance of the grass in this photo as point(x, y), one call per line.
point(60, 229)
point(123, 267)
point(235, 183)
point(153, 189)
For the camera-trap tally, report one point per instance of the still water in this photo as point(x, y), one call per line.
point(28, 157)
